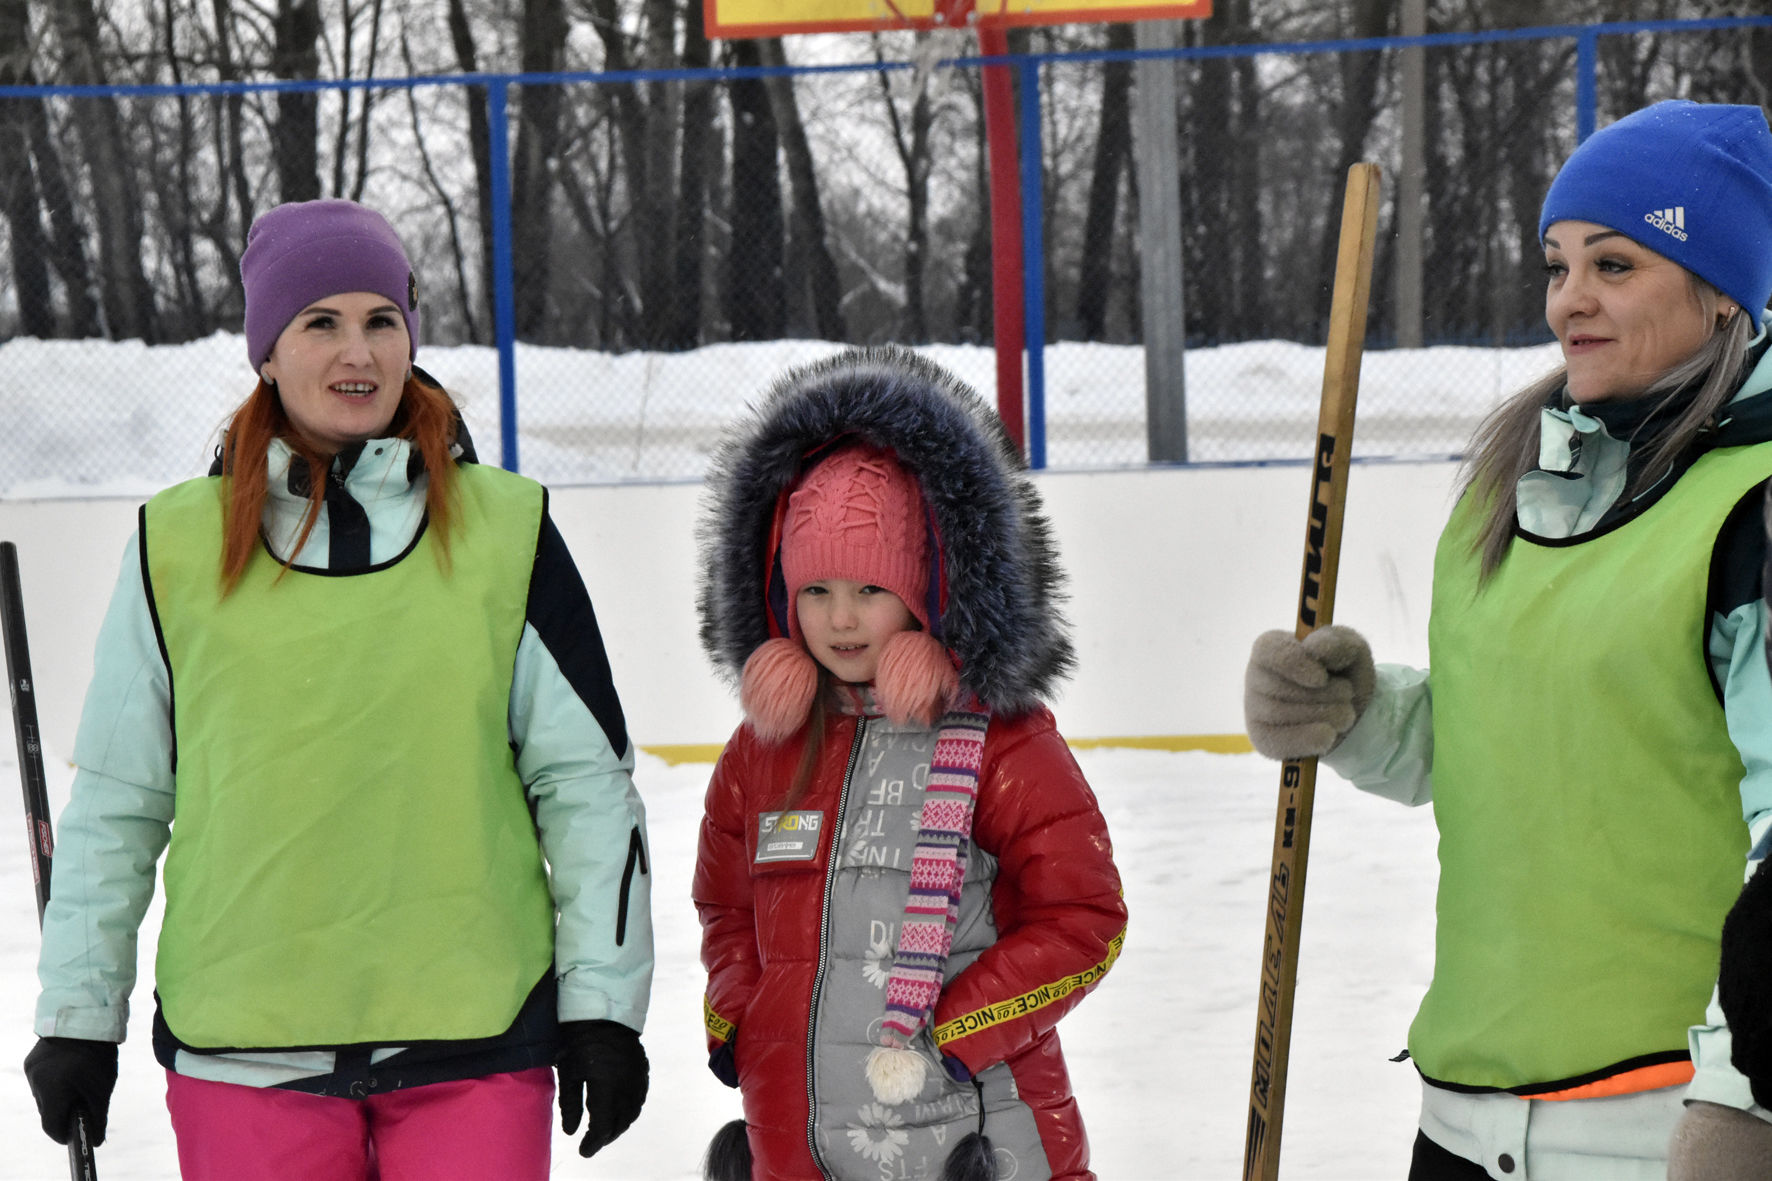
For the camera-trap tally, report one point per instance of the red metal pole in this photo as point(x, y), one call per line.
point(1006, 262)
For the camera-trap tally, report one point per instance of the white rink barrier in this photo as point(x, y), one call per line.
point(1171, 573)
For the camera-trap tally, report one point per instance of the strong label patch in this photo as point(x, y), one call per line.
point(788, 836)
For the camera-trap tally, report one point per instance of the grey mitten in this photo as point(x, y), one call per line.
point(1300, 697)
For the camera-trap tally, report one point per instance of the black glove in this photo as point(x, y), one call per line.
point(69, 1076)
point(1744, 984)
point(1301, 697)
point(723, 1060)
point(603, 1076)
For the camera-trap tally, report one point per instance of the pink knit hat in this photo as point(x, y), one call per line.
point(858, 515)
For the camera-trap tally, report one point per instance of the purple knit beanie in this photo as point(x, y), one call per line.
point(307, 250)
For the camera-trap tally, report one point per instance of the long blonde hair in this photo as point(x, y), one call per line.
point(1505, 445)
point(426, 415)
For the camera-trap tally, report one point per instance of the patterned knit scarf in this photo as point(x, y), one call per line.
point(938, 870)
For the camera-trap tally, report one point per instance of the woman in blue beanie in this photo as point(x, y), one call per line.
point(1597, 720)
point(408, 881)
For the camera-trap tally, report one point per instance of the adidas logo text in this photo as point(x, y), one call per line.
point(1671, 221)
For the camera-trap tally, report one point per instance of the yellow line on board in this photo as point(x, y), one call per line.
point(1228, 744)
point(693, 752)
point(1224, 744)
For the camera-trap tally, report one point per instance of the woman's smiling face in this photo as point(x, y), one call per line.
point(340, 367)
point(1624, 314)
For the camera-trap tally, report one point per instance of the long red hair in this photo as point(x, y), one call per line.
point(425, 415)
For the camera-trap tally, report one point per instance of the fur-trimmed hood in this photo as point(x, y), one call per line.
point(995, 568)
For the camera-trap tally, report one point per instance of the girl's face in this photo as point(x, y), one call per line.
point(340, 367)
point(1624, 314)
point(845, 625)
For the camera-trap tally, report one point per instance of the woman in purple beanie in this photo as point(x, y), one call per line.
point(408, 879)
point(1596, 724)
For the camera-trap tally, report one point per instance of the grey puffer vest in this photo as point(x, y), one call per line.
point(858, 1137)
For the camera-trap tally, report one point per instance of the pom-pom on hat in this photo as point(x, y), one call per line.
point(307, 250)
point(857, 515)
point(1690, 181)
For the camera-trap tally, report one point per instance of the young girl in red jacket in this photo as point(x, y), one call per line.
point(903, 879)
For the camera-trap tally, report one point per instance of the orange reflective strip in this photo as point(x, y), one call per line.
point(1643, 1078)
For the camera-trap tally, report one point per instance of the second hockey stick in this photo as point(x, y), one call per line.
point(1316, 601)
point(39, 828)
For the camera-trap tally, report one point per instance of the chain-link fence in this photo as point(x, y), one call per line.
point(612, 265)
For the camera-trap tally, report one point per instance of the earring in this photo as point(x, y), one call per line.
point(1723, 317)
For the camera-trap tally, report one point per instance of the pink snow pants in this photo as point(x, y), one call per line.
point(498, 1126)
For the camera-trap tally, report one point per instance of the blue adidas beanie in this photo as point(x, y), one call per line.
point(1690, 181)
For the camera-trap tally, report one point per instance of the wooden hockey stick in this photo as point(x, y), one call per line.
point(1316, 602)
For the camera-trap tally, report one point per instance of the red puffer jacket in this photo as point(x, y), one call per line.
point(1056, 900)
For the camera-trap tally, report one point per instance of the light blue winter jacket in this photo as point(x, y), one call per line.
point(565, 724)
point(1389, 752)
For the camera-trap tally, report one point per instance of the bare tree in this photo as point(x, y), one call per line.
point(354, 189)
point(647, 119)
point(1221, 179)
point(815, 296)
point(229, 144)
point(457, 249)
point(1356, 107)
point(754, 292)
point(67, 253)
point(532, 182)
point(124, 292)
point(188, 317)
point(696, 159)
point(656, 224)
point(19, 201)
point(1758, 67)
point(973, 318)
point(296, 56)
point(1113, 149)
point(910, 138)
point(461, 39)
point(1489, 161)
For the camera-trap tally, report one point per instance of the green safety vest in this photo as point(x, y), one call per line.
point(1586, 791)
point(352, 859)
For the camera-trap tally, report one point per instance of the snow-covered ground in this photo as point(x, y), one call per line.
point(1160, 1055)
